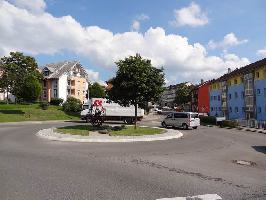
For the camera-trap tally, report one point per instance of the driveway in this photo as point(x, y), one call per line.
point(32, 168)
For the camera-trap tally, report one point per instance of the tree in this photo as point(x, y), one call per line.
point(31, 89)
point(96, 91)
point(136, 83)
point(183, 94)
point(15, 69)
point(72, 105)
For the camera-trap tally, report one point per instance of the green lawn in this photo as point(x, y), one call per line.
point(130, 131)
point(33, 112)
point(75, 130)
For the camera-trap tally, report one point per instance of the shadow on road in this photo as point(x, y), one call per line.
point(261, 149)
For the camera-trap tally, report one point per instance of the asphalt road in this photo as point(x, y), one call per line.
point(32, 168)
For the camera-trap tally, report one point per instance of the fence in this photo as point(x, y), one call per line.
point(252, 123)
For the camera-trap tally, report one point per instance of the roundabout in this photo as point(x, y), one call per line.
point(95, 136)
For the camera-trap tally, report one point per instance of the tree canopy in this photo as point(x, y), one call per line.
point(96, 91)
point(136, 82)
point(17, 70)
point(183, 94)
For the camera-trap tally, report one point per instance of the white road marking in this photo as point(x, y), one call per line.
point(199, 197)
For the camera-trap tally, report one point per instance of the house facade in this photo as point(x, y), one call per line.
point(63, 80)
point(240, 94)
point(200, 101)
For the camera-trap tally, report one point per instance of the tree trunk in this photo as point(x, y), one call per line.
point(136, 115)
point(7, 96)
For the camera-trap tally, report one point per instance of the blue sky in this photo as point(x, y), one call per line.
point(185, 37)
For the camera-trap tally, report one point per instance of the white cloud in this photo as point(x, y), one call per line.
point(43, 33)
point(190, 16)
point(229, 40)
point(142, 17)
point(93, 75)
point(135, 26)
point(261, 52)
point(36, 6)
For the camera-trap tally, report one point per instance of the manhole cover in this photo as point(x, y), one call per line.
point(244, 162)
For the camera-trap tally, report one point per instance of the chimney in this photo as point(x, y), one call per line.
point(229, 70)
point(201, 81)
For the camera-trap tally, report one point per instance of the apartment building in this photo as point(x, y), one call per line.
point(240, 94)
point(65, 79)
point(200, 101)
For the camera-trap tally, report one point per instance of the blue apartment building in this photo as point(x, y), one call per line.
point(215, 100)
point(240, 94)
point(260, 93)
point(236, 98)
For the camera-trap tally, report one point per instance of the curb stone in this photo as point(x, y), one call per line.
point(50, 134)
point(251, 130)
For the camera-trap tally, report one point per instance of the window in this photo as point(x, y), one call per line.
point(169, 116)
point(215, 97)
point(243, 95)
point(46, 73)
point(230, 109)
point(236, 95)
point(55, 92)
point(258, 91)
point(258, 74)
point(194, 116)
point(211, 108)
point(235, 81)
point(220, 109)
point(241, 80)
point(68, 82)
point(243, 109)
point(219, 97)
point(236, 109)
point(265, 92)
point(44, 83)
point(230, 96)
point(259, 109)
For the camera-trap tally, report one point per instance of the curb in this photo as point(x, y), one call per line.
point(51, 135)
point(250, 130)
point(34, 122)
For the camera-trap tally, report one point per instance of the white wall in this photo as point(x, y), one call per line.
point(62, 87)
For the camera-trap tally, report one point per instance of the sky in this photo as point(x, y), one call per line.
point(191, 40)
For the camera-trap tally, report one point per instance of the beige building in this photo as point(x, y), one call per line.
point(65, 79)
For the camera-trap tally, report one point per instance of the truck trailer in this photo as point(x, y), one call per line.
point(109, 111)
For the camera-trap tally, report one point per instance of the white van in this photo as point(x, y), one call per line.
point(182, 119)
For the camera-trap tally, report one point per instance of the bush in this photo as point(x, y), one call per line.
point(72, 105)
point(56, 101)
point(228, 123)
point(208, 120)
point(44, 105)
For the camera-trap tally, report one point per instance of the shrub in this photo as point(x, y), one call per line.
point(56, 101)
point(44, 105)
point(207, 120)
point(72, 105)
point(228, 123)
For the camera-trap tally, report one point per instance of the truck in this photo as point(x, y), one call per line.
point(109, 111)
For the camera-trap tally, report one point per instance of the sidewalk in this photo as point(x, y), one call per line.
point(50, 134)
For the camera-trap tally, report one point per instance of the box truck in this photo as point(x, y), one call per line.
point(109, 111)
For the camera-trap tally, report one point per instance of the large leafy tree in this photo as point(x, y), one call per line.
point(31, 89)
point(136, 83)
point(16, 71)
point(183, 94)
point(96, 91)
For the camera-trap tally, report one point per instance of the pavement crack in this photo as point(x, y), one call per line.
point(184, 172)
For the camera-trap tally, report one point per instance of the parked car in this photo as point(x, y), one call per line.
point(182, 119)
